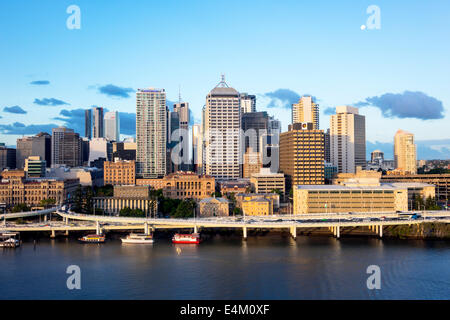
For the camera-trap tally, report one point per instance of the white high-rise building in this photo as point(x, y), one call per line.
point(348, 139)
point(405, 152)
point(112, 126)
point(306, 110)
point(248, 103)
point(222, 127)
point(99, 148)
point(151, 133)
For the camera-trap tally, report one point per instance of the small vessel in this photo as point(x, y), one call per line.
point(138, 238)
point(186, 238)
point(9, 239)
point(93, 238)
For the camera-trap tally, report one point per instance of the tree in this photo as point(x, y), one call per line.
point(237, 211)
point(216, 194)
point(20, 207)
point(128, 212)
point(431, 204)
point(78, 199)
point(185, 209)
point(277, 191)
point(47, 202)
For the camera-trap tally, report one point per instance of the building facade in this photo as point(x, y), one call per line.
point(306, 110)
point(66, 147)
point(266, 182)
point(7, 158)
point(151, 133)
point(302, 154)
point(405, 152)
point(119, 172)
point(214, 207)
point(38, 145)
point(88, 123)
point(348, 139)
point(112, 126)
point(252, 163)
point(257, 207)
point(182, 185)
point(15, 188)
point(222, 132)
point(97, 128)
point(248, 103)
point(35, 167)
point(133, 197)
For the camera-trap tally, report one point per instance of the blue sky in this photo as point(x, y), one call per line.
point(277, 50)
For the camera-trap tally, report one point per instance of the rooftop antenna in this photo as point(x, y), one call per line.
point(179, 94)
point(222, 82)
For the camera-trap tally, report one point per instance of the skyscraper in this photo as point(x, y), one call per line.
point(348, 139)
point(306, 110)
point(222, 128)
point(405, 152)
point(66, 147)
point(254, 125)
point(151, 133)
point(112, 126)
point(182, 108)
point(88, 123)
point(38, 145)
point(197, 148)
point(248, 103)
point(302, 154)
point(98, 123)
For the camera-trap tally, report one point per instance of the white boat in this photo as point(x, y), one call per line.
point(138, 238)
point(11, 239)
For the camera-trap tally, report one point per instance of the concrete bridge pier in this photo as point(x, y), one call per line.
point(66, 233)
point(97, 228)
point(53, 235)
point(45, 218)
point(244, 232)
point(195, 229)
point(146, 228)
point(294, 232)
point(381, 231)
point(338, 232)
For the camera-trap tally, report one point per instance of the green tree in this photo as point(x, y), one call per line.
point(237, 211)
point(20, 207)
point(78, 200)
point(430, 204)
point(128, 212)
point(47, 202)
point(216, 194)
point(185, 209)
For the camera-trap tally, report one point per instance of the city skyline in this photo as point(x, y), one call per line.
point(390, 88)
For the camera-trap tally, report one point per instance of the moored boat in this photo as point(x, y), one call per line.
point(9, 239)
point(186, 238)
point(138, 238)
point(93, 238)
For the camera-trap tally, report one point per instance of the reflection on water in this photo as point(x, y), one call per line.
point(226, 267)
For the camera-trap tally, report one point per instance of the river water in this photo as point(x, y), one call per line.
point(225, 267)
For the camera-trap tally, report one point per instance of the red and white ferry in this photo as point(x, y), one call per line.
point(186, 238)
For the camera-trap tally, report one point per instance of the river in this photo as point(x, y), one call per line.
point(225, 267)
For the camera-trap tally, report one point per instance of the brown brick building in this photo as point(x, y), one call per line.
point(15, 189)
point(119, 172)
point(182, 185)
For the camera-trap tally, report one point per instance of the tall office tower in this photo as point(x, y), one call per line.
point(85, 151)
point(348, 139)
point(197, 148)
point(151, 133)
point(405, 152)
point(182, 108)
point(173, 124)
point(88, 123)
point(7, 158)
point(302, 154)
point(112, 126)
point(248, 103)
point(222, 128)
point(38, 145)
point(327, 146)
point(254, 125)
point(66, 147)
point(270, 145)
point(306, 110)
point(98, 123)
